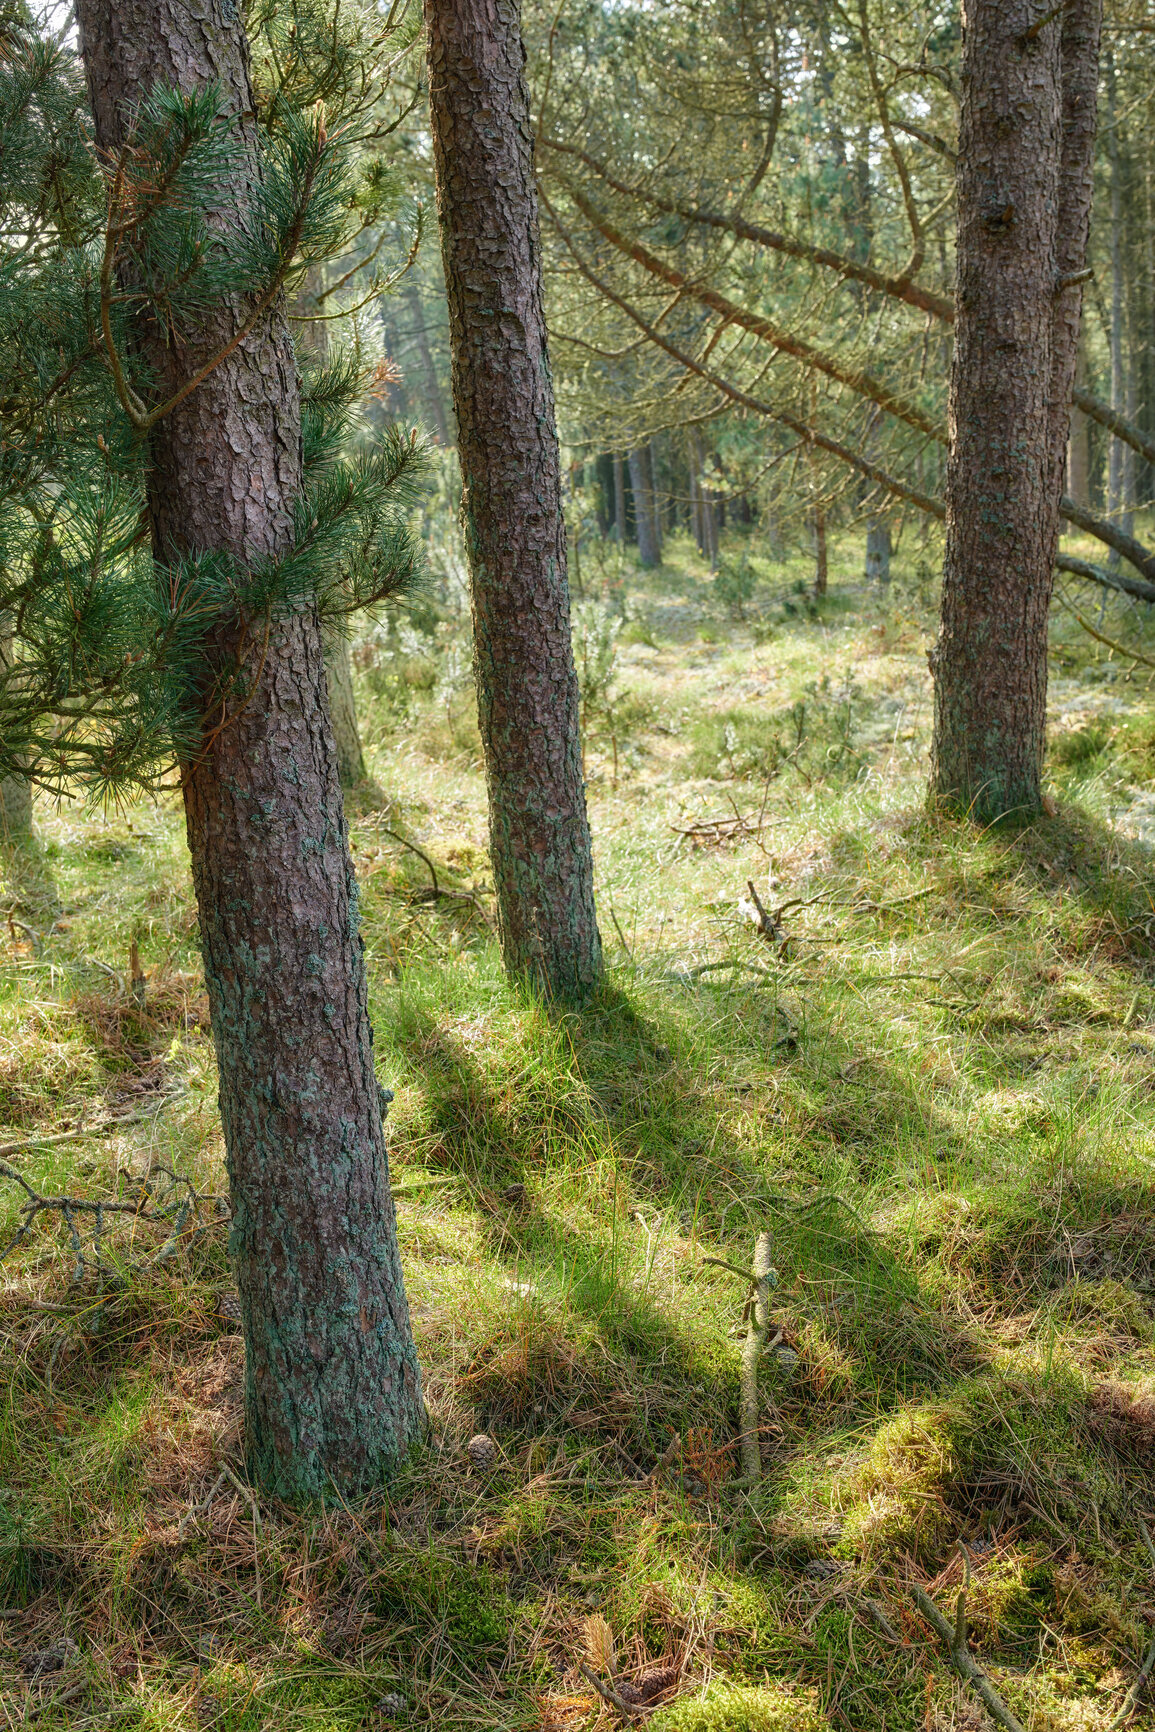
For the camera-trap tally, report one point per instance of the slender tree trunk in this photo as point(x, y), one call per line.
point(878, 551)
point(1118, 459)
point(511, 503)
point(643, 510)
point(1019, 157)
point(652, 495)
point(619, 499)
point(420, 336)
point(697, 528)
point(1079, 46)
point(332, 1393)
point(15, 812)
point(820, 550)
point(1079, 448)
point(312, 337)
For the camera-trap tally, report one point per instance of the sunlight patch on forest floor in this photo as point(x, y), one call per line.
point(936, 1089)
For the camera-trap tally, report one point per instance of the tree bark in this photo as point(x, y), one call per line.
point(1020, 161)
point(332, 1393)
point(619, 499)
point(511, 501)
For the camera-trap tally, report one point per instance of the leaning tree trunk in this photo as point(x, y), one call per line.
point(332, 1393)
point(511, 500)
point(1002, 496)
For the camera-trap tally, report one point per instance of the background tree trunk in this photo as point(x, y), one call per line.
point(820, 550)
point(313, 338)
point(15, 811)
point(331, 1382)
point(990, 662)
point(643, 510)
point(420, 334)
point(878, 551)
point(511, 502)
point(619, 499)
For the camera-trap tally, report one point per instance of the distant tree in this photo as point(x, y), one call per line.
point(511, 501)
point(254, 522)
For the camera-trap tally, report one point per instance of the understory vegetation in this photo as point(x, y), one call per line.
point(929, 1072)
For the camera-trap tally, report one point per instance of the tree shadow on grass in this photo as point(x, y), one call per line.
point(621, 1100)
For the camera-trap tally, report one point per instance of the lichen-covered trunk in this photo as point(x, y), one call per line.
point(331, 1381)
point(511, 495)
point(990, 659)
point(1026, 127)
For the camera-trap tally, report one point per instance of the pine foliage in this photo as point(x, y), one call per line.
point(103, 660)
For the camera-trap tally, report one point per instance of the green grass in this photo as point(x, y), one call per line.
point(938, 1096)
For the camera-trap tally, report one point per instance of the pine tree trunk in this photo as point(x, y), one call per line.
point(619, 500)
point(425, 360)
point(351, 771)
point(1005, 466)
point(312, 336)
point(878, 551)
point(653, 496)
point(643, 510)
point(1119, 459)
point(332, 1392)
point(511, 502)
point(819, 550)
point(15, 812)
point(1082, 24)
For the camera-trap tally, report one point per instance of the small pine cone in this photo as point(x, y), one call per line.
point(229, 1308)
point(481, 1450)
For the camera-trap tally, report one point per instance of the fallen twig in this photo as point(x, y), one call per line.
point(1130, 1701)
point(963, 1660)
point(29, 1145)
point(664, 1459)
point(763, 1278)
point(607, 1692)
point(884, 1623)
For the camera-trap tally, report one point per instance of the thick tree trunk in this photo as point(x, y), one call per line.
point(1020, 151)
point(331, 1383)
point(643, 510)
point(511, 502)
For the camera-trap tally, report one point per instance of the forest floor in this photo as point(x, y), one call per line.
point(935, 1088)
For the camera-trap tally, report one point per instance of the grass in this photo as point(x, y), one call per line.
point(938, 1096)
